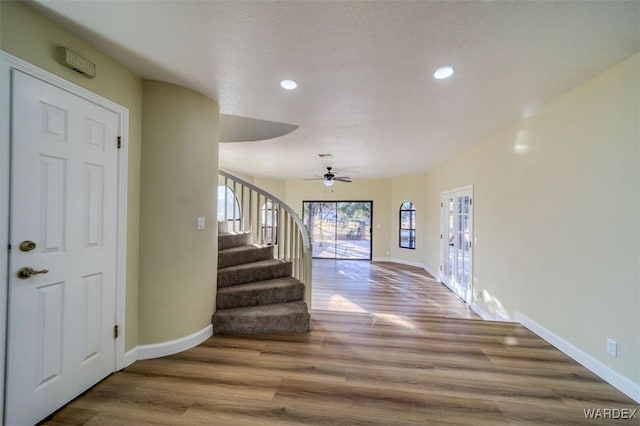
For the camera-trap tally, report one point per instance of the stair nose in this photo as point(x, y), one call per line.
point(256, 271)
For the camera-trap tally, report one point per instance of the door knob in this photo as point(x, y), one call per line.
point(27, 271)
point(27, 245)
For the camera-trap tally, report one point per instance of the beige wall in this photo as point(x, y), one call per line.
point(378, 191)
point(33, 38)
point(178, 263)
point(557, 221)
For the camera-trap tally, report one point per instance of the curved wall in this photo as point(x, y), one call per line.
point(178, 262)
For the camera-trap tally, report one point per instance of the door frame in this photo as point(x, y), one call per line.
point(443, 246)
point(8, 63)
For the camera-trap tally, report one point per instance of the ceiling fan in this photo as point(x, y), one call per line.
point(329, 178)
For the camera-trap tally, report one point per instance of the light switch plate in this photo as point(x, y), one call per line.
point(200, 222)
point(612, 347)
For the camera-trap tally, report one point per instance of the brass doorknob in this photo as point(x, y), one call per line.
point(27, 245)
point(27, 271)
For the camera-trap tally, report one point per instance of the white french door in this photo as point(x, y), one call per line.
point(63, 259)
point(456, 241)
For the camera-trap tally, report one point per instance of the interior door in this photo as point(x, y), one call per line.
point(457, 241)
point(62, 264)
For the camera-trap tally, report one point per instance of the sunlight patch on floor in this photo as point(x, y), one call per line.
point(340, 303)
point(395, 320)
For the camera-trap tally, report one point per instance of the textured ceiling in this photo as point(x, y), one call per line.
point(364, 69)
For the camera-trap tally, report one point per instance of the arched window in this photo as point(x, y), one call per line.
point(407, 225)
point(229, 208)
point(269, 223)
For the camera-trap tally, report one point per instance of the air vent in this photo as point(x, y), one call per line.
point(325, 155)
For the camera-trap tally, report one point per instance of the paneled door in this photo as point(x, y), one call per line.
point(456, 240)
point(62, 264)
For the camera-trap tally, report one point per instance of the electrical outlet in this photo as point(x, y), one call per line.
point(612, 348)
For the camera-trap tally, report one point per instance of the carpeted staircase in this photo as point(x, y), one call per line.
point(256, 293)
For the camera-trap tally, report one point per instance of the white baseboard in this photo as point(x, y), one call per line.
point(502, 317)
point(434, 274)
point(130, 357)
point(481, 312)
point(606, 373)
point(158, 350)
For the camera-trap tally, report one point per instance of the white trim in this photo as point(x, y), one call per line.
point(121, 256)
point(5, 176)
point(606, 373)
point(434, 274)
point(158, 350)
point(502, 317)
point(481, 312)
point(130, 357)
point(7, 63)
point(460, 189)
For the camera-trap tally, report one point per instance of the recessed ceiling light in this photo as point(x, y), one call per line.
point(443, 72)
point(288, 84)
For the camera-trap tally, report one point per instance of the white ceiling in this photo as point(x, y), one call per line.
point(364, 69)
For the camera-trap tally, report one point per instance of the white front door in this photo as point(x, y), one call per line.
point(63, 225)
point(457, 241)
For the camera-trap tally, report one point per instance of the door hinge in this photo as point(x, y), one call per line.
point(440, 236)
point(441, 204)
point(115, 332)
point(441, 267)
point(119, 142)
point(470, 201)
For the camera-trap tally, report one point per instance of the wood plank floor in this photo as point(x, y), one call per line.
point(389, 346)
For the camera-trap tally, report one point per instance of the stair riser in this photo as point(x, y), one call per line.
point(226, 259)
point(227, 241)
point(261, 273)
point(291, 323)
point(261, 297)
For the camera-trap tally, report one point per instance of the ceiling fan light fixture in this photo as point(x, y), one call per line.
point(328, 182)
point(443, 72)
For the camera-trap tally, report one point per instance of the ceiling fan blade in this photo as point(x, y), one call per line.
point(318, 178)
point(344, 179)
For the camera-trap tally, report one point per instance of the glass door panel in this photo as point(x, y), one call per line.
point(339, 229)
point(456, 246)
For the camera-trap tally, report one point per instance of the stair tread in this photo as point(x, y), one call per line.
point(261, 285)
point(265, 310)
point(243, 254)
point(233, 239)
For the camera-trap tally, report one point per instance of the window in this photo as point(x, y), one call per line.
point(229, 208)
point(407, 225)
